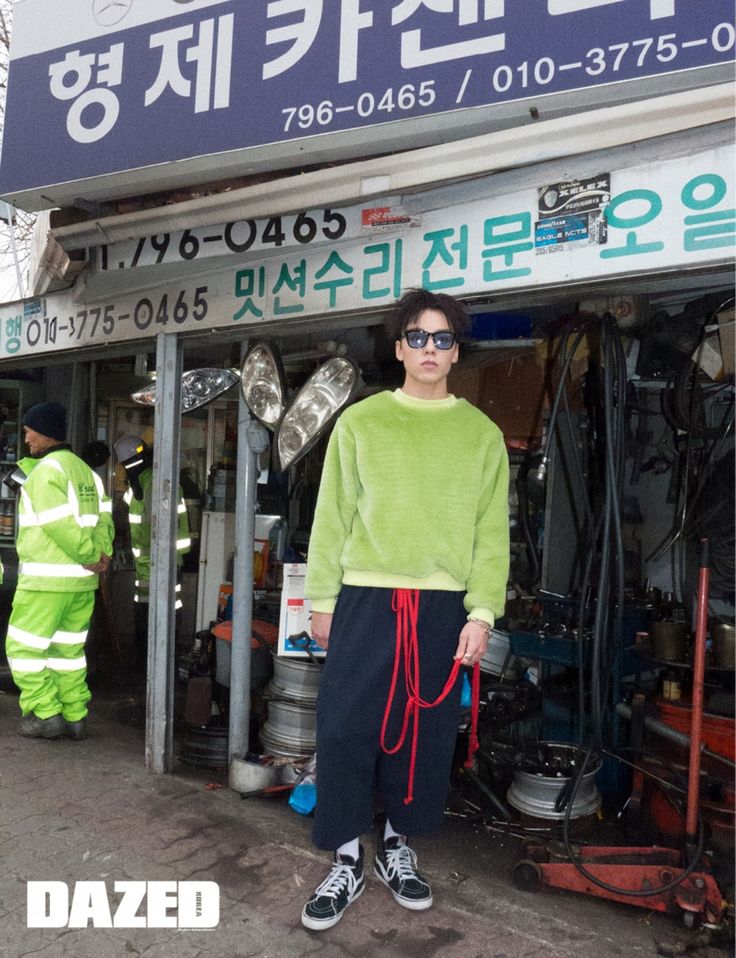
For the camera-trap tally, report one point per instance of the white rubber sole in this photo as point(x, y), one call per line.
point(315, 925)
point(404, 902)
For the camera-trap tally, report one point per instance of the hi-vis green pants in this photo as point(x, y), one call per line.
point(45, 650)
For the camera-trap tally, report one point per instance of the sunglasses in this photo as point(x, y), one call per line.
point(417, 338)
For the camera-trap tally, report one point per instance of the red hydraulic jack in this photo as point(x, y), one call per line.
point(661, 879)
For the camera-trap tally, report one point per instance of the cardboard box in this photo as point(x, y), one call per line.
point(223, 598)
point(296, 612)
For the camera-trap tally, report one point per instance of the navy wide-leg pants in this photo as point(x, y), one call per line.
point(355, 685)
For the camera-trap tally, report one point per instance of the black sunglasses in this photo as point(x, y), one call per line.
point(417, 338)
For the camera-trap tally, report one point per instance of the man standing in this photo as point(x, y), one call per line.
point(136, 457)
point(406, 570)
point(65, 535)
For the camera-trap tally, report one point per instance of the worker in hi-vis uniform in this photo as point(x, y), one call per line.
point(65, 535)
point(136, 457)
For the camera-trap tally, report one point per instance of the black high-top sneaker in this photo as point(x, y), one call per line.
point(395, 865)
point(342, 886)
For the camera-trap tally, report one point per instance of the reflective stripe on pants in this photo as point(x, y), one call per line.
point(45, 650)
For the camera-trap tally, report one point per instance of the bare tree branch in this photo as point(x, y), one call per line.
point(21, 229)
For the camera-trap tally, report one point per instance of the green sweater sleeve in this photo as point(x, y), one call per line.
point(490, 564)
point(333, 518)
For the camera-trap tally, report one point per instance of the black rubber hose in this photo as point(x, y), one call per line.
point(522, 495)
point(556, 403)
point(643, 893)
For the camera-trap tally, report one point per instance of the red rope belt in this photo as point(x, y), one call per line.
point(405, 603)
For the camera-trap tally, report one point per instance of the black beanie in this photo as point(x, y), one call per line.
point(48, 419)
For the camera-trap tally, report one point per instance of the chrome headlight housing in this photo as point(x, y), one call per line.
point(262, 383)
point(315, 405)
point(198, 387)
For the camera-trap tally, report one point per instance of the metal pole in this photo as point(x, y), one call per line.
point(164, 523)
point(696, 728)
point(240, 652)
point(679, 738)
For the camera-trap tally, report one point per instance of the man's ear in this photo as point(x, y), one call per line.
point(399, 350)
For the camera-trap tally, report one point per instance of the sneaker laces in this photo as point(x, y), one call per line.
point(341, 876)
point(401, 861)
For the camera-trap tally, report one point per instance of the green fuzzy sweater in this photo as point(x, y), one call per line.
point(414, 495)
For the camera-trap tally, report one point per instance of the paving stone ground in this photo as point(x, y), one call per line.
point(90, 811)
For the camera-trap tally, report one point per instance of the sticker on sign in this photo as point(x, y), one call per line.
point(381, 218)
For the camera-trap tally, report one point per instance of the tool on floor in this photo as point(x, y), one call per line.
point(270, 790)
point(662, 879)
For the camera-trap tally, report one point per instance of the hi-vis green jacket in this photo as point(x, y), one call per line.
point(64, 523)
point(139, 517)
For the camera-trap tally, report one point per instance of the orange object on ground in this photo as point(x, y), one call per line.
point(267, 631)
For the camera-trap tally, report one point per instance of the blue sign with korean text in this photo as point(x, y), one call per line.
point(97, 87)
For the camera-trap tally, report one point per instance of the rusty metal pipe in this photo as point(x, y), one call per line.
point(696, 728)
point(679, 738)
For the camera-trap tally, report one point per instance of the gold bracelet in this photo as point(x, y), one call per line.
point(486, 625)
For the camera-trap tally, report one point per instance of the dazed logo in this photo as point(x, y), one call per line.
point(134, 904)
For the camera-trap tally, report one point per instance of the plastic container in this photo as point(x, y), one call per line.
point(261, 661)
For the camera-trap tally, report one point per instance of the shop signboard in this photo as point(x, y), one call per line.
point(209, 88)
point(663, 216)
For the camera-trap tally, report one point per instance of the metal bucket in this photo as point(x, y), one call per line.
point(668, 640)
point(542, 774)
point(251, 776)
point(724, 645)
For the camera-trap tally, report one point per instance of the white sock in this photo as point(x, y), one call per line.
point(389, 832)
point(350, 848)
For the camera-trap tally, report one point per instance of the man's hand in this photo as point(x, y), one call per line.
point(473, 642)
point(321, 625)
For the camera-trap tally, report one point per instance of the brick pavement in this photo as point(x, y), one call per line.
point(89, 811)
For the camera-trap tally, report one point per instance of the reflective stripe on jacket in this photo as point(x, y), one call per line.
point(139, 518)
point(64, 523)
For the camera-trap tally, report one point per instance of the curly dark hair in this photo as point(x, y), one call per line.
point(415, 301)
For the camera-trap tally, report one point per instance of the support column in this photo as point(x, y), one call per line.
point(240, 652)
point(164, 524)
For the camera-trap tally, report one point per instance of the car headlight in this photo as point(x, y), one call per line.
point(311, 410)
point(262, 383)
point(198, 387)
